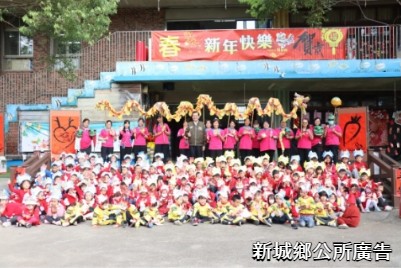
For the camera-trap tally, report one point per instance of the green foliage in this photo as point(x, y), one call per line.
point(316, 9)
point(70, 20)
point(64, 21)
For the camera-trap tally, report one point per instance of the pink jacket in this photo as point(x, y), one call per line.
point(215, 139)
point(140, 137)
point(163, 138)
point(230, 141)
point(86, 139)
point(268, 139)
point(246, 134)
point(304, 142)
point(109, 143)
point(184, 143)
point(126, 138)
point(331, 138)
point(286, 141)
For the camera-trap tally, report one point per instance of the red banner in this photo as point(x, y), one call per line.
point(2, 134)
point(354, 124)
point(223, 45)
point(378, 128)
point(63, 125)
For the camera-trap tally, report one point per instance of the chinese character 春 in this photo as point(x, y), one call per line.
point(265, 41)
point(261, 251)
point(230, 46)
point(283, 41)
point(169, 46)
point(247, 42)
point(212, 44)
point(382, 252)
point(302, 251)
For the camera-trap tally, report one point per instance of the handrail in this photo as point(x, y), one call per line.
point(373, 42)
point(389, 171)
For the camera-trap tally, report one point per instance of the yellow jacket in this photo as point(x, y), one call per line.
point(258, 207)
point(277, 209)
point(101, 215)
point(152, 214)
point(175, 212)
point(223, 208)
point(306, 205)
point(205, 210)
point(237, 211)
point(323, 211)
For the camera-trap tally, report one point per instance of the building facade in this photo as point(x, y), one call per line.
point(369, 75)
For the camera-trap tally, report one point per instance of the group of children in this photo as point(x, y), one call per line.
point(134, 192)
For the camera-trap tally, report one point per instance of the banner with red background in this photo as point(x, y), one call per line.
point(354, 125)
point(226, 45)
point(378, 128)
point(63, 125)
point(2, 149)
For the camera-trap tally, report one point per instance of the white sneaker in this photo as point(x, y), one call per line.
point(332, 224)
point(6, 224)
point(388, 208)
point(343, 226)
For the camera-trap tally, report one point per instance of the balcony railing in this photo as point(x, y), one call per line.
point(378, 42)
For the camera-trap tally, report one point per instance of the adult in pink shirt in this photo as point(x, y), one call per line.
point(230, 135)
point(245, 134)
point(107, 137)
point(304, 137)
point(215, 138)
point(333, 134)
point(268, 140)
point(125, 137)
point(183, 146)
point(255, 140)
point(161, 132)
point(140, 134)
point(86, 135)
point(286, 135)
point(317, 142)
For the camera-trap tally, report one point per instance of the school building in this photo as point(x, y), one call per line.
point(154, 54)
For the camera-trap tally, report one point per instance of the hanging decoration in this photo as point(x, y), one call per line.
point(273, 106)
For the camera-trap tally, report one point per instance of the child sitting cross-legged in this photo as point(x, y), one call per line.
point(238, 213)
point(202, 211)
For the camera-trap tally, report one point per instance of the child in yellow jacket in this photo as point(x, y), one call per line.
point(176, 213)
point(279, 212)
point(151, 215)
point(238, 214)
point(324, 211)
point(306, 206)
point(258, 210)
point(203, 212)
point(132, 217)
point(106, 214)
point(223, 206)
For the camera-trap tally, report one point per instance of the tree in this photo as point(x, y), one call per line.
point(316, 9)
point(64, 21)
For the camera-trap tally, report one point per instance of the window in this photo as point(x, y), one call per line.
point(70, 51)
point(246, 24)
point(219, 24)
point(17, 51)
point(15, 44)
